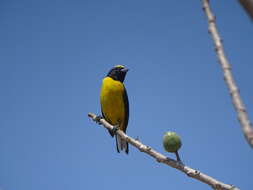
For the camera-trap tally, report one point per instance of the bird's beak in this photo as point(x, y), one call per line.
point(124, 70)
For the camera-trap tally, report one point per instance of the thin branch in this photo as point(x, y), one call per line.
point(215, 184)
point(248, 7)
point(228, 77)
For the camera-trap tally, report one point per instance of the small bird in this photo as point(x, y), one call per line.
point(114, 103)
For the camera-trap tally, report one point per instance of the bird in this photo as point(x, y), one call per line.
point(114, 103)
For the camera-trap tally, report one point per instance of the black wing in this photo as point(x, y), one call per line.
point(126, 104)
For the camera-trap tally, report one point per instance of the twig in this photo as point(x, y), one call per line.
point(228, 77)
point(215, 184)
point(248, 7)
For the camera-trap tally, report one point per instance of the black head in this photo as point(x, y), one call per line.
point(118, 73)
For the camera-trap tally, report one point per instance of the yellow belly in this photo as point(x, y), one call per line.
point(112, 102)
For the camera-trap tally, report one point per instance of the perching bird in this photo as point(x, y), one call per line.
point(114, 103)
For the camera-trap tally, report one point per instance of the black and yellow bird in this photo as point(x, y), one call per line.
point(114, 103)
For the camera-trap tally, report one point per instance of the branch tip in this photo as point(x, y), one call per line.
point(91, 115)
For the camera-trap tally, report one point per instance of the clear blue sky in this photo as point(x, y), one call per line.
point(53, 56)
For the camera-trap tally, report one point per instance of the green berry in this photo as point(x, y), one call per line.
point(171, 142)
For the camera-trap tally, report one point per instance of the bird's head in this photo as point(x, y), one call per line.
point(118, 73)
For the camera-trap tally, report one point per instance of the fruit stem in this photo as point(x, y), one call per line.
point(178, 157)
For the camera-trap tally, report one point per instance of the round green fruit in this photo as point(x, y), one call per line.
point(171, 142)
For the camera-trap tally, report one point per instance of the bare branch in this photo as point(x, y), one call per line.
point(215, 184)
point(248, 7)
point(228, 77)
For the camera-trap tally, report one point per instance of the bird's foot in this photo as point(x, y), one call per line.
point(97, 119)
point(115, 129)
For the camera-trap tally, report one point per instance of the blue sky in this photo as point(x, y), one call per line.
point(53, 56)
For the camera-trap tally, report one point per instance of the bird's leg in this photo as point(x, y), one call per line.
point(115, 129)
point(97, 119)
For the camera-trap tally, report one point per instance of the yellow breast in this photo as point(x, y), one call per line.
point(112, 102)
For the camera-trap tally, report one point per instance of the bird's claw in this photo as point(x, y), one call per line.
point(115, 129)
point(97, 119)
